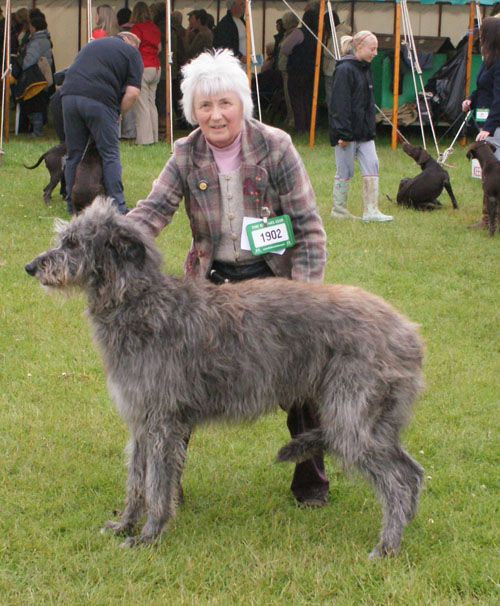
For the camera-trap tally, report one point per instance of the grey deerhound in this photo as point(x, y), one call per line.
point(181, 352)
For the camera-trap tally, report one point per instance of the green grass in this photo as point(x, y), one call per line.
point(239, 538)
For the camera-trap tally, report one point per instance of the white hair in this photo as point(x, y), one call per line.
point(212, 73)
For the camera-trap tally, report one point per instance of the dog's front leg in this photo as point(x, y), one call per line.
point(135, 500)
point(447, 186)
point(166, 452)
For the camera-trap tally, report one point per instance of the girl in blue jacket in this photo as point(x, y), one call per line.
point(351, 116)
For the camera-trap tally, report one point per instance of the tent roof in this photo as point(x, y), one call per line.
point(488, 2)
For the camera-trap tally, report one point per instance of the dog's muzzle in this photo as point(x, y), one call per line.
point(31, 268)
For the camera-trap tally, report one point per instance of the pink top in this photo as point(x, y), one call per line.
point(227, 158)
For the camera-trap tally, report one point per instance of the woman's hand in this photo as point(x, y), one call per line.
point(466, 105)
point(343, 143)
point(482, 135)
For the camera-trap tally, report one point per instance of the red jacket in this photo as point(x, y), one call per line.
point(150, 37)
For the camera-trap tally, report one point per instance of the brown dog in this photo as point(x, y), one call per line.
point(490, 180)
point(54, 161)
point(89, 180)
point(421, 192)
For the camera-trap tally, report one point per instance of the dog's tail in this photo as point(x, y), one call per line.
point(303, 447)
point(42, 157)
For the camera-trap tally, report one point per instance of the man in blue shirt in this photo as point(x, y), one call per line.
point(103, 82)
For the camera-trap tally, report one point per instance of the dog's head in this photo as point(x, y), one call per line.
point(100, 245)
point(419, 154)
point(475, 146)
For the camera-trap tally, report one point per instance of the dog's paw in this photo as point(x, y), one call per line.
point(381, 551)
point(136, 541)
point(119, 528)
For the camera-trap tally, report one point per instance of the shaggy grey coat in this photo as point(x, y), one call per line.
point(180, 352)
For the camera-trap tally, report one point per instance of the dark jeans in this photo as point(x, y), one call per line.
point(300, 89)
point(309, 478)
point(84, 118)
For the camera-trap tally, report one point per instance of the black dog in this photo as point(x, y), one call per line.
point(54, 161)
point(421, 192)
point(490, 180)
point(89, 180)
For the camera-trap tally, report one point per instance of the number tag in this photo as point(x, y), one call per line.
point(482, 114)
point(275, 235)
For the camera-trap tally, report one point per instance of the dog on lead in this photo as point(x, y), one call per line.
point(422, 192)
point(490, 180)
point(89, 180)
point(181, 352)
point(54, 162)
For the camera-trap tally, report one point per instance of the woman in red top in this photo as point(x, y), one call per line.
point(146, 114)
point(107, 24)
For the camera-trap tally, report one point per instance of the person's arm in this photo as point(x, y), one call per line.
point(340, 109)
point(129, 98)
point(298, 201)
point(157, 210)
point(32, 55)
point(291, 41)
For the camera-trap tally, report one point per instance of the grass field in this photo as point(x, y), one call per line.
point(239, 537)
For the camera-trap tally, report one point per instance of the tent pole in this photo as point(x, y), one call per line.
point(5, 67)
point(317, 66)
point(470, 42)
point(395, 80)
point(169, 127)
point(247, 40)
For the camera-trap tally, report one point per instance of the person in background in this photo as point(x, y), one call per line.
point(486, 97)
point(103, 82)
point(203, 39)
point(231, 169)
point(127, 121)
point(328, 63)
point(145, 112)
point(300, 48)
point(351, 117)
point(290, 23)
point(106, 24)
point(123, 18)
point(278, 37)
point(231, 30)
point(38, 46)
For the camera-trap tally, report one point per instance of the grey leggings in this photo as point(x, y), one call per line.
point(366, 154)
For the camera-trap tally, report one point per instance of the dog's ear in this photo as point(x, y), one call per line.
point(128, 247)
point(469, 154)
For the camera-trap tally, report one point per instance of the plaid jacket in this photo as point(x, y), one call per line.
point(273, 176)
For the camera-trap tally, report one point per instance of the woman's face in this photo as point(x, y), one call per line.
point(367, 50)
point(220, 117)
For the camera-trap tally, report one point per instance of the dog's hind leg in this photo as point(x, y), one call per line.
point(166, 452)
point(135, 500)
point(397, 479)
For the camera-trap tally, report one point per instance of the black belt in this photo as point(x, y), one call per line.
point(226, 272)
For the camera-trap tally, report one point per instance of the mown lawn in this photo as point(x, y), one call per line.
point(239, 537)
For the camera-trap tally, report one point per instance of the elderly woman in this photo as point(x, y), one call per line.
point(230, 171)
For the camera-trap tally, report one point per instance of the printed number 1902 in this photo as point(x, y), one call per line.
point(270, 235)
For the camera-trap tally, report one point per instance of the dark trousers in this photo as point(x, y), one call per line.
point(300, 90)
point(84, 118)
point(309, 478)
